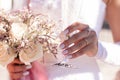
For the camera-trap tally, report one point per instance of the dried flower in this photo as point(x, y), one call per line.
point(26, 35)
point(6, 54)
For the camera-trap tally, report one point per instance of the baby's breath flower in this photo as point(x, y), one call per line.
point(26, 35)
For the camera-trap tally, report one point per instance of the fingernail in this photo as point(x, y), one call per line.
point(62, 46)
point(28, 67)
point(26, 73)
point(65, 52)
point(66, 31)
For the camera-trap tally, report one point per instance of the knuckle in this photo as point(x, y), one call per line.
point(72, 49)
point(80, 44)
point(75, 37)
point(76, 23)
point(93, 33)
point(93, 37)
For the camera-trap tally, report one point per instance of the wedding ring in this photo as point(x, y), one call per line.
point(86, 41)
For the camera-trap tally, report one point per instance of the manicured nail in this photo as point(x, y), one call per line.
point(65, 52)
point(62, 46)
point(26, 73)
point(28, 67)
point(66, 31)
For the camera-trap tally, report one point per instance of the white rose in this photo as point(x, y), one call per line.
point(6, 54)
point(33, 52)
point(18, 30)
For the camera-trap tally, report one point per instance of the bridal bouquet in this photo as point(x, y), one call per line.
point(26, 36)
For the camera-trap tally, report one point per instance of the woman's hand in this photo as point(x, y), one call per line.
point(17, 69)
point(83, 41)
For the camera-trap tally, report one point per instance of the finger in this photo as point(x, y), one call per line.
point(90, 50)
point(77, 46)
point(17, 61)
point(75, 38)
point(16, 76)
point(77, 54)
point(81, 52)
point(92, 38)
point(82, 47)
point(18, 68)
point(75, 26)
point(71, 30)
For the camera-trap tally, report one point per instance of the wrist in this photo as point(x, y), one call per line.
point(101, 52)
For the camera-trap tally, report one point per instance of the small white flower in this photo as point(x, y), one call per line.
point(22, 31)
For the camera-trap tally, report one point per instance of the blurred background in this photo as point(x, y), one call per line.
point(108, 70)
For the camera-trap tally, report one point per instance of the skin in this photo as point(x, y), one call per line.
point(17, 69)
point(117, 77)
point(112, 17)
point(81, 46)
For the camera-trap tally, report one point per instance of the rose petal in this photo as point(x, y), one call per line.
point(31, 53)
point(18, 30)
point(6, 54)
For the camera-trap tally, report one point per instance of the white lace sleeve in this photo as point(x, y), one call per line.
point(109, 52)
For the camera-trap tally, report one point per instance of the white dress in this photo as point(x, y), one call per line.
point(90, 12)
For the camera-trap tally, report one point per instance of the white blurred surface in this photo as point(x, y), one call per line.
point(6, 4)
point(109, 71)
point(3, 73)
